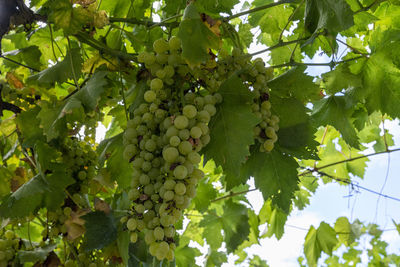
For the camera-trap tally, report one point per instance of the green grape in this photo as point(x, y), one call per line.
point(203, 116)
point(133, 194)
point(131, 224)
point(149, 59)
point(153, 248)
point(161, 59)
point(168, 195)
point(160, 46)
point(174, 43)
point(151, 145)
point(174, 141)
point(185, 147)
point(133, 237)
point(184, 134)
point(9, 235)
point(270, 132)
point(150, 96)
point(199, 102)
point(268, 145)
point(169, 184)
point(189, 111)
point(171, 131)
point(69, 263)
point(266, 105)
point(170, 154)
point(194, 157)
point(149, 237)
point(169, 232)
point(180, 172)
point(149, 189)
point(139, 208)
point(181, 122)
point(162, 73)
point(180, 188)
point(170, 255)
point(156, 84)
point(158, 233)
point(195, 132)
point(82, 175)
point(210, 108)
point(148, 204)
point(140, 225)
point(169, 71)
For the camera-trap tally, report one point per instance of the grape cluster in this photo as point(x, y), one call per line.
point(80, 159)
point(9, 244)
point(255, 75)
point(163, 141)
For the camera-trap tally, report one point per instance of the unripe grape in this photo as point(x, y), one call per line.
point(218, 98)
point(149, 237)
point(131, 224)
point(153, 248)
point(189, 111)
point(150, 96)
point(161, 59)
point(185, 147)
point(209, 99)
point(169, 184)
point(268, 145)
point(9, 235)
point(160, 46)
point(174, 141)
point(195, 132)
point(170, 154)
point(144, 179)
point(180, 172)
point(184, 134)
point(158, 233)
point(169, 232)
point(194, 157)
point(171, 131)
point(139, 208)
point(140, 225)
point(180, 188)
point(133, 237)
point(203, 116)
point(210, 108)
point(174, 43)
point(168, 195)
point(181, 122)
point(156, 84)
point(149, 59)
point(169, 71)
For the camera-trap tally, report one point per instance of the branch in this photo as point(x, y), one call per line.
point(280, 44)
point(232, 194)
point(10, 107)
point(369, 6)
point(316, 169)
point(257, 9)
point(84, 38)
point(19, 64)
point(147, 23)
point(330, 64)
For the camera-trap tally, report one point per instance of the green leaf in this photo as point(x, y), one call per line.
point(89, 95)
point(295, 83)
point(123, 245)
point(334, 111)
point(38, 254)
point(341, 78)
point(316, 241)
point(296, 134)
point(275, 175)
point(344, 231)
point(101, 230)
point(196, 38)
point(212, 231)
point(276, 223)
point(232, 129)
point(215, 7)
point(185, 255)
point(205, 194)
point(69, 68)
point(68, 18)
point(28, 122)
point(235, 222)
point(333, 15)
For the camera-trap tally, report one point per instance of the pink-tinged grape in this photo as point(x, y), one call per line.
point(181, 122)
point(149, 96)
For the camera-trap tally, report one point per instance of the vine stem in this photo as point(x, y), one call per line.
point(257, 9)
point(331, 64)
point(233, 194)
point(347, 160)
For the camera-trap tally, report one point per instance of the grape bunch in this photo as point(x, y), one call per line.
point(255, 76)
point(162, 142)
point(9, 244)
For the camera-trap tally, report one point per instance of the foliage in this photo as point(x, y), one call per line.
point(181, 97)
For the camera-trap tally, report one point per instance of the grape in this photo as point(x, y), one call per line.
point(174, 141)
point(9, 235)
point(195, 132)
point(150, 96)
point(189, 111)
point(149, 59)
point(160, 46)
point(181, 122)
point(268, 145)
point(184, 134)
point(194, 157)
point(139, 208)
point(153, 248)
point(169, 184)
point(156, 84)
point(180, 172)
point(159, 233)
point(174, 43)
point(180, 188)
point(168, 195)
point(210, 109)
point(185, 147)
point(149, 237)
point(203, 116)
point(172, 131)
point(131, 224)
point(170, 154)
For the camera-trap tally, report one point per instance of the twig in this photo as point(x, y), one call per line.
point(257, 9)
point(280, 44)
point(20, 64)
point(355, 50)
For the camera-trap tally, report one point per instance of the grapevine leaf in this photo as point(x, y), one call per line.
point(275, 175)
point(212, 231)
point(38, 254)
point(101, 230)
point(232, 128)
point(28, 122)
point(295, 83)
point(196, 38)
point(316, 241)
point(205, 194)
point(185, 255)
point(340, 79)
point(123, 245)
point(216, 7)
point(276, 223)
point(235, 223)
point(333, 15)
point(296, 134)
point(89, 95)
point(62, 71)
point(68, 18)
point(334, 111)
point(344, 232)
point(216, 258)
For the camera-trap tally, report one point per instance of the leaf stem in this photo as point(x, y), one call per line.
point(257, 9)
